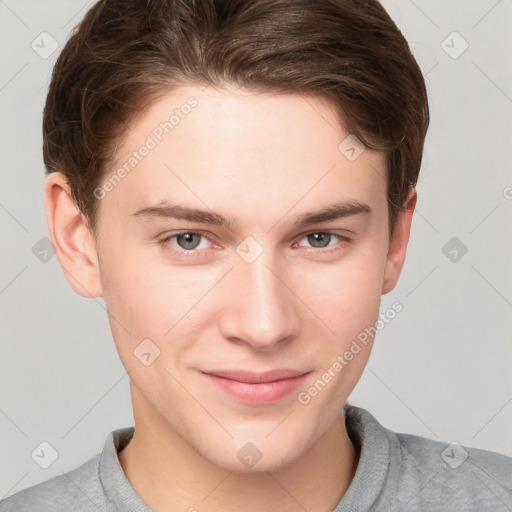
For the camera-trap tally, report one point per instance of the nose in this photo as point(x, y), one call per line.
point(260, 308)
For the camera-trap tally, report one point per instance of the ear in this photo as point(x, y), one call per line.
point(73, 241)
point(398, 244)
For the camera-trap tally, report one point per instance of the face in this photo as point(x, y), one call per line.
point(248, 284)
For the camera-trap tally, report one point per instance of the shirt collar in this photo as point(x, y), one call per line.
point(373, 442)
point(374, 472)
point(121, 495)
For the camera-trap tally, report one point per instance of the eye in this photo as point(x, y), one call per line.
point(186, 241)
point(322, 239)
point(194, 242)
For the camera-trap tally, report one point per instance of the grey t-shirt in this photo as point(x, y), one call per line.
point(394, 472)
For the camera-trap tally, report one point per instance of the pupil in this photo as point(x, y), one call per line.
point(189, 240)
point(314, 238)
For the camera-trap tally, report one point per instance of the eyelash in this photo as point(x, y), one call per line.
point(165, 242)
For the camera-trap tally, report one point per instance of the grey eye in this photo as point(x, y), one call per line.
point(319, 239)
point(188, 241)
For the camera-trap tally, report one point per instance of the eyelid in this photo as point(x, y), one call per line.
point(165, 240)
point(343, 240)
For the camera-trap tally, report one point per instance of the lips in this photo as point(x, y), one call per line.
point(256, 388)
point(257, 378)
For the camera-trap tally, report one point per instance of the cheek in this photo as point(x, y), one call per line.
point(149, 299)
point(347, 299)
point(137, 300)
point(347, 295)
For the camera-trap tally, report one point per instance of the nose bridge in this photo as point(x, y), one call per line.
point(261, 309)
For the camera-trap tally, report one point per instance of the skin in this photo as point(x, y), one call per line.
point(262, 160)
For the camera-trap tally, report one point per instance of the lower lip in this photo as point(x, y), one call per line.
point(261, 393)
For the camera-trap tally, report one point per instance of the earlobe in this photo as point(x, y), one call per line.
point(398, 244)
point(71, 237)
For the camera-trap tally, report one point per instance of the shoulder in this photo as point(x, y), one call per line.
point(417, 473)
point(78, 490)
point(454, 456)
point(452, 474)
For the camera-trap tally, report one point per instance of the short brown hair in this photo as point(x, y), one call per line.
point(125, 53)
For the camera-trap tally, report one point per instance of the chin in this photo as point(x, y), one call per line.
point(257, 456)
point(263, 465)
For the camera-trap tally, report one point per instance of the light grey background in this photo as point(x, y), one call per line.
point(440, 369)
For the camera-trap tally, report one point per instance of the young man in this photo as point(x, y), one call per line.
point(237, 180)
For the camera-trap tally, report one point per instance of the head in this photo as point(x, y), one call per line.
point(259, 114)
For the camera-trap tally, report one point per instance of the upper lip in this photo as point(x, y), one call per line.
point(253, 378)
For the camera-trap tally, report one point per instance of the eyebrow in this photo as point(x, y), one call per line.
point(328, 213)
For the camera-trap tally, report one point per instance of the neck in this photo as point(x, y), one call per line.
point(168, 474)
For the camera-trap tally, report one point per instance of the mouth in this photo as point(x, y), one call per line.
point(256, 388)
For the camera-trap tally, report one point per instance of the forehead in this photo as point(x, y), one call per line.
point(232, 147)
